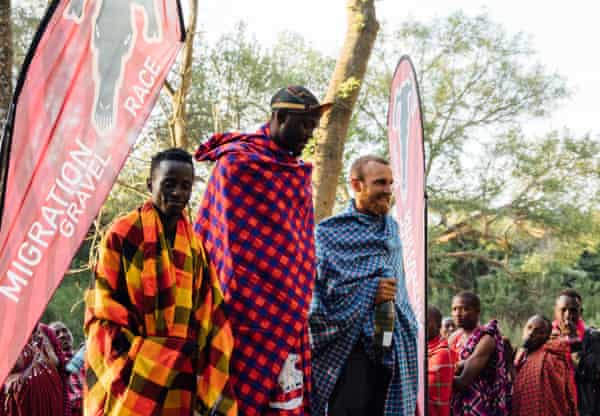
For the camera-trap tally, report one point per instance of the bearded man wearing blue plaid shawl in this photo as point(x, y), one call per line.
point(359, 258)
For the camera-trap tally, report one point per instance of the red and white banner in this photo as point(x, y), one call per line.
point(405, 130)
point(88, 84)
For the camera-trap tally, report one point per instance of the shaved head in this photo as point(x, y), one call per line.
point(536, 332)
point(470, 298)
point(466, 308)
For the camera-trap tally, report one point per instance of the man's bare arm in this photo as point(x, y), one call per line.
point(475, 363)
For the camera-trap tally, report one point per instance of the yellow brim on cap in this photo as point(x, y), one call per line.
point(289, 106)
point(301, 107)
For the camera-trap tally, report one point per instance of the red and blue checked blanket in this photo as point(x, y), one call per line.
point(256, 221)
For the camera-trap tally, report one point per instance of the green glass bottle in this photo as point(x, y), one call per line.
point(385, 314)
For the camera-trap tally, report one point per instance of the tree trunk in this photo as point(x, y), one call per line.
point(177, 122)
point(6, 61)
point(343, 92)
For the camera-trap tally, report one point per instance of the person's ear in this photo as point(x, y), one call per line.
point(149, 184)
point(356, 184)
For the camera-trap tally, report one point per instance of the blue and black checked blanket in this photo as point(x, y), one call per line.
point(354, 250)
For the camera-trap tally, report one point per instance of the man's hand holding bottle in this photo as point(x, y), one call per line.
point(386, 291)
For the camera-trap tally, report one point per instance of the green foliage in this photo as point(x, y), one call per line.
point(347, 87)
point(234, 79)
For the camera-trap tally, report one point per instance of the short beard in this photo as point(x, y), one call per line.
point(377, 207)
point(373, 208)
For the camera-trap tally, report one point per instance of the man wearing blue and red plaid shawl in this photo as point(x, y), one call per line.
point(359, 262)
point(256, 221)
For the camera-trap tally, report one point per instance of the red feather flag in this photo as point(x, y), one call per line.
point(405, 130)
point(88, 85)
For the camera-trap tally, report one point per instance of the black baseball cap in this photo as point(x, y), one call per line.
point(297, 99)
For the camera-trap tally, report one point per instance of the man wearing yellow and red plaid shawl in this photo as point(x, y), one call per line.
point(158, 342)
point(256, 222)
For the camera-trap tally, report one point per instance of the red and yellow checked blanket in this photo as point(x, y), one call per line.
point(256, 222)
point(158, 342)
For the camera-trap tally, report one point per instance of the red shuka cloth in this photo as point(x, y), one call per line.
point(440, 374)
point(544, 384)
point(42, 391)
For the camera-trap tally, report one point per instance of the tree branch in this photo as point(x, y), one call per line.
point(169, 88)
point(473, 255)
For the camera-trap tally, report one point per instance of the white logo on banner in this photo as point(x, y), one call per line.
point(404, 111)
point(114, 34)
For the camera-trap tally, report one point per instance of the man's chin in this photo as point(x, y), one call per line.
point(467, 326)
point(566, 324)
point(381, 209)
point(532, 345)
